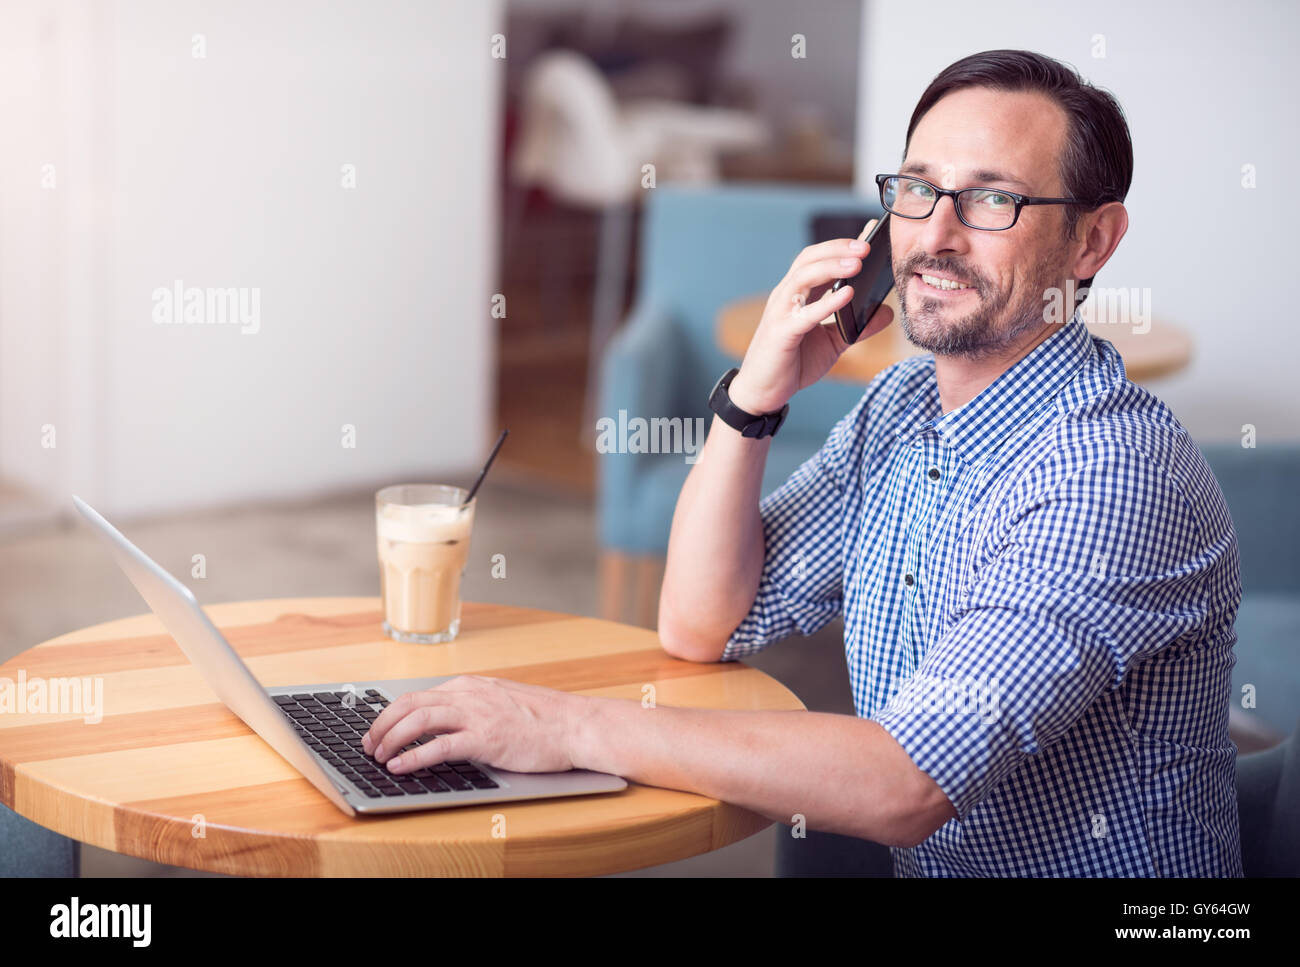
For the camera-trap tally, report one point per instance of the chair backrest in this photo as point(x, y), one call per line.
point(1260, 487)
point(1268, 809)
point(569, 140)
point(704, 247)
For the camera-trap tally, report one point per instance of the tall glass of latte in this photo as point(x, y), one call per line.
point(423, 532)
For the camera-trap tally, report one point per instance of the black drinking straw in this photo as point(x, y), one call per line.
point(483, 473)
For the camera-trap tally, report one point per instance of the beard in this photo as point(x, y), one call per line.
point(989, 328)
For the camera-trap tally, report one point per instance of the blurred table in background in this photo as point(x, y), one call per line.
point(1161, 350)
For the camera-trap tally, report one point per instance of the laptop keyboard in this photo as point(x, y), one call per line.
point(332, 724)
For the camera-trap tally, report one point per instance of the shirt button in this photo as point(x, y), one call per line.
point(934, 473)
point(908, 580)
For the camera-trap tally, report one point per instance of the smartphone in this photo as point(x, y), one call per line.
point(870, 286)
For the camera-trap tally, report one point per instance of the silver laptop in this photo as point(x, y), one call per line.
point(317, 728)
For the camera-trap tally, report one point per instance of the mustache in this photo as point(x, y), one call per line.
point(945, 269)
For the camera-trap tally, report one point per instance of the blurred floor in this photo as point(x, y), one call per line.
point(58, 578)
point(543, 343)
point(540, 398)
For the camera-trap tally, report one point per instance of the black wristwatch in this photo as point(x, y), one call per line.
point(748, 424)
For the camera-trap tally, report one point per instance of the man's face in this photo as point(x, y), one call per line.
point(979, 137)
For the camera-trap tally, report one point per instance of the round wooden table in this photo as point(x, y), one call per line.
point(167, 751)
point(1161, 350)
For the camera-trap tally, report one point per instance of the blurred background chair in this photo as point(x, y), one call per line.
point(27, 849)
point(1268, 803)
point(700, 248)
point(829, 854)
point(585, 148)
point(1259, 485)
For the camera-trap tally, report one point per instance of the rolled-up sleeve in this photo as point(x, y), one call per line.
point(801, 588)
point(1095, 571)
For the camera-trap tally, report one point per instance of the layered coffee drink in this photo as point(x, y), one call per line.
point(424, 533)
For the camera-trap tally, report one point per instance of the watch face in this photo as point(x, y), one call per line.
point(717, 387)
point(718, 398)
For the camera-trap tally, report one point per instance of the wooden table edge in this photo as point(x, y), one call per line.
point(97, 821)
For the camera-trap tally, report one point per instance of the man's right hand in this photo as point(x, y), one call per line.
point(790, 349)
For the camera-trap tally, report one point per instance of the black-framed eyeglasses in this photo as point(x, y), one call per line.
point(985, 209)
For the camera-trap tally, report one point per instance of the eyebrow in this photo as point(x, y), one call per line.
point(982, 177)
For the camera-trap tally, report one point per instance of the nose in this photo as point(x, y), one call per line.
point(943, 230)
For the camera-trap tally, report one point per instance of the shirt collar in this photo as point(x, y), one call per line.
point(982, 423)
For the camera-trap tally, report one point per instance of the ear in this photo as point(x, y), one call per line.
point(1099, 233)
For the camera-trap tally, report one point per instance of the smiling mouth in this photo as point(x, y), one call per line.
point(943, 285)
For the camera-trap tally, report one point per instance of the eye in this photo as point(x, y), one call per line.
point(920, 190)
point(995, 200)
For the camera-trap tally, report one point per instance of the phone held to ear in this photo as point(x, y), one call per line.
point(870, 286)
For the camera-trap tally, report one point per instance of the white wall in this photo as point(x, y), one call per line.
point(225, 171)
point(1207, 87)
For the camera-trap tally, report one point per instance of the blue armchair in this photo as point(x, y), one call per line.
point(1259, 485)
point(27, 849)
point(700, 249)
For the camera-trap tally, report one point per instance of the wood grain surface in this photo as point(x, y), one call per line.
point(168, 759)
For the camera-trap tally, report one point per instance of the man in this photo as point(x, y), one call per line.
point(1037, 572)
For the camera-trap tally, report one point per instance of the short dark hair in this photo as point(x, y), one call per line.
point(1097, 159)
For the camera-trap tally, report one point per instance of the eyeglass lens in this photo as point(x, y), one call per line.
point(980, 207)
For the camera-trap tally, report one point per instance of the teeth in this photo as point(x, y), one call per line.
point(939, 283)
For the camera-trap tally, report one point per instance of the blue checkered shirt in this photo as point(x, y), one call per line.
point(1038, 591)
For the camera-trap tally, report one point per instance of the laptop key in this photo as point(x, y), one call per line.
point(483, 782)
point(283, 699)
point(414, 788)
